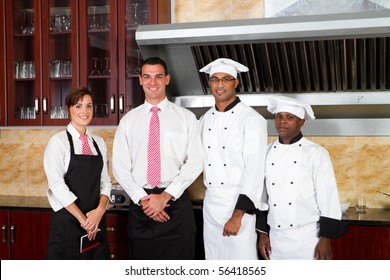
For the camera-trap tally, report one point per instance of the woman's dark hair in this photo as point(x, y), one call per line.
point(155, 61)
point(75, 94)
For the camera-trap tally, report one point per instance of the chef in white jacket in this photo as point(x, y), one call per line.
point(304, 208)
point(234, 144)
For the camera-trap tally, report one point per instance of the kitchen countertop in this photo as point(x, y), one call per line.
point(372, 216)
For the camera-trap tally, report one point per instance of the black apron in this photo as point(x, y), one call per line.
point(174, 239)
point(83, 179)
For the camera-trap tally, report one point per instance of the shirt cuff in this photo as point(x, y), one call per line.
point(245, 204)
point(332, 228)
point(261, 221)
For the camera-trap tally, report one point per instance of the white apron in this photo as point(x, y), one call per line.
point(294, 244)
point(217, 246)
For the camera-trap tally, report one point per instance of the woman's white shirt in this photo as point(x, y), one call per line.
point(56, 162)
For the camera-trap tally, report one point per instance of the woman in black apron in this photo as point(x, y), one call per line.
point(83, 178)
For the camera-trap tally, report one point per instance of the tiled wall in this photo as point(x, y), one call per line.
point(361, 164)
point(21, 165)
point(206, 10)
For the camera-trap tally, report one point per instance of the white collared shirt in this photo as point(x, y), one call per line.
point(56, 162)
point(181, 149)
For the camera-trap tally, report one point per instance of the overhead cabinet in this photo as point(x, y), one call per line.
point(54, 45)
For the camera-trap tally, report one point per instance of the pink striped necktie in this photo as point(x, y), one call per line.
point(154, 160)
point(86, 149)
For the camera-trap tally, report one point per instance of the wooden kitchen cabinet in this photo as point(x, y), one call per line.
point(110, 59)
point(42, 59)
point(2, 64)
point(24, 234)
point(117, 235)
point(54, 45)
point(363, 243)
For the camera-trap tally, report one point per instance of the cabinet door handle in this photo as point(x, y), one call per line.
point(12, 235)
point(112, 103)
point(112, 229)
point(121, 104)
point(36, 105)
point(4, 233)
point(44, 105)
point(112, 257)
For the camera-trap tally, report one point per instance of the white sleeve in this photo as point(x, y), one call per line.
point(59, 194)
point(122, 165)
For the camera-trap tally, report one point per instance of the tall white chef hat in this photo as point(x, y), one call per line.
point(287, 104)
point(224, 65)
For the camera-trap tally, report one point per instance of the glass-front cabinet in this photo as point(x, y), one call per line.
point(42, 60)
point(98, 47)
point(54, 45)
point(24, 62)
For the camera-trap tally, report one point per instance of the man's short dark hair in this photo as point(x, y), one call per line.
point(155, 61)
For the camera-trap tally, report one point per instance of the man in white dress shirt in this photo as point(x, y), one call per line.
point(303, 202)
point(234, 145)
point(161, 219)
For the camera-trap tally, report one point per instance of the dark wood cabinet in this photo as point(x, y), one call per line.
point(24, 234)
point(363, 243)
point(54, 45)
point(3, 85)
point(117, 235)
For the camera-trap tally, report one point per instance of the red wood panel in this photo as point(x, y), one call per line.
point(363, 243)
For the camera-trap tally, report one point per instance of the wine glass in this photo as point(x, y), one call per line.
point(106, 70)
point(93, 24)
point(95, 69)
point(67, 20)
point(107, 23)
point(28, 22)
point(135, 22)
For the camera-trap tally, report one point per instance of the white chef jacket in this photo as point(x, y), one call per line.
point(301, 185)
point(181, 149)
point(56, 161)
point(234, 146)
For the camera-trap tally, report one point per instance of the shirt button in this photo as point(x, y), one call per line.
point(221, 183)
point(295, 161)
point(278, 226)
point(275, 205)
point(209, 147)
point(209, 183)
point(274, 147)
point(289, 203)
point(209, 129)
point(223, 147)
point(300, 145)
point(273, 184)
point(272, 163)
point(209, 164)
point(291, 225)
point(224, 164)
point(291, 183)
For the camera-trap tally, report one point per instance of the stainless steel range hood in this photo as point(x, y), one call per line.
point(338, 63)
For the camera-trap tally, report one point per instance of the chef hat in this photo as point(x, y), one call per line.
point(287, 104)
point(224, 65)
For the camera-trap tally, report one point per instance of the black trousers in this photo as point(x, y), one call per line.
point(174, 239)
